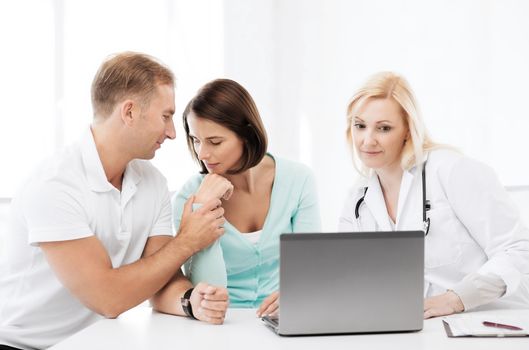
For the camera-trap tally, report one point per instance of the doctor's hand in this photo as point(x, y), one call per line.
point(441, 305)
point(270, 306)
point(213, 187)
point(209, 303)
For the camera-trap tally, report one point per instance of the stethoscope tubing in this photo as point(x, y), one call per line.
point(426, 206)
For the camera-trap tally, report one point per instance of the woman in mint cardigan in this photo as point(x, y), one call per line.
point(262, 195)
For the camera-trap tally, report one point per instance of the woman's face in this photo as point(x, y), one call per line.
point(217, 146)
point(379, 133)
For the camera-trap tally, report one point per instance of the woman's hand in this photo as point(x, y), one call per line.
point(213, 187)
point(270, 306)
point(442, 305)
point(209, 303)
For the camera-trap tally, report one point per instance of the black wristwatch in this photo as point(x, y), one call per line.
point(186, 303)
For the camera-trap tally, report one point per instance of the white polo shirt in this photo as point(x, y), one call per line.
point(69, 197)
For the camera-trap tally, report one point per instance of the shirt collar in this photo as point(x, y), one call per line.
point(95, 172)
point(131, 178)
point(132, 174)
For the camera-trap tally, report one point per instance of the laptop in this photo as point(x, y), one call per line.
point(350, 282)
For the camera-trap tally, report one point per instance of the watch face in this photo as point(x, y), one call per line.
point(186, 303)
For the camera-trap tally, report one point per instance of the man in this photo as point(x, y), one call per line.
point(90, 232)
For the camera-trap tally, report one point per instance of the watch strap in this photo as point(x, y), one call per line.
point(186, 303)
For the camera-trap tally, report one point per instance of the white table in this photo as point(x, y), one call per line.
point(141, 328)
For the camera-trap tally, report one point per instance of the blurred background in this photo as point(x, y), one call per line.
point(301, 60)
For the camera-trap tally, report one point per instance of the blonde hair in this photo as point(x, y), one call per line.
point(390, 85)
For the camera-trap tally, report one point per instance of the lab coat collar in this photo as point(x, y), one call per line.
point(409, 210)
point(374, 200)
point(406, 185)
point(410, 206)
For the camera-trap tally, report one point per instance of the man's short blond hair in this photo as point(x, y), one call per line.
point(124, 75)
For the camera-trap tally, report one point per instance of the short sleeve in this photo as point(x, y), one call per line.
point(54, 211)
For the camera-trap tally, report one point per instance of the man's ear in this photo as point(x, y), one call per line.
point(128, 112)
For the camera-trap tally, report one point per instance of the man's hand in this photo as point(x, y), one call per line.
point(213, 187)
point(442, 305)
point(270, 306)
point(209, 303)
point(202, 227)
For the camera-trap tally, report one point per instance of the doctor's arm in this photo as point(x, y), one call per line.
point(493, 221)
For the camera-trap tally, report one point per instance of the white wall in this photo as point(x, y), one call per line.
point(300, 59)
point(51, 50)
point(303, 59)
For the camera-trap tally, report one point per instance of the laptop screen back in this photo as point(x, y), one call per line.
point(351, 282)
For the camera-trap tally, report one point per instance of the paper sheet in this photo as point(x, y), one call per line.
point(471, 323)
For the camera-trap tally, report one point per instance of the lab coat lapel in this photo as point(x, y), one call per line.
point(374, 200)
point(409, 209)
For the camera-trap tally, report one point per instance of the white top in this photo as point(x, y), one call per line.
point(477, 244)
point(142, 329)
point(68, 197)
point(253, 237)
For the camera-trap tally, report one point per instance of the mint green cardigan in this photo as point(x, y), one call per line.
point(253, 270)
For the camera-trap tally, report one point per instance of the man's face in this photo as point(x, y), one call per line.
point(155, 123)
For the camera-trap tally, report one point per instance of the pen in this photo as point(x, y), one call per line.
point(500, 325)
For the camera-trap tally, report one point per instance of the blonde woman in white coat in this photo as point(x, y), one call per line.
point(476, 247)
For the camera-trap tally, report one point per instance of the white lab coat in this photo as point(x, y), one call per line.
point(475, 226)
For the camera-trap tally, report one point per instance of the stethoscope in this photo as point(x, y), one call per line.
point(425, 204)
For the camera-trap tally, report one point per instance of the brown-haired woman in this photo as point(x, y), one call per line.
point(267, 195)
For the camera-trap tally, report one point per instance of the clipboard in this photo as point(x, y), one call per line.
point(492, 333)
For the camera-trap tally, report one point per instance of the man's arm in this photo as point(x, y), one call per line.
point(209, 303)
point(84, 266)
